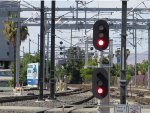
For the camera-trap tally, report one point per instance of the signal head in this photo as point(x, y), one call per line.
point(100, 35)
point(100, 83)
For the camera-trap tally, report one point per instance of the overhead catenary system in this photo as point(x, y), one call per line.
point(114, 23)
point(70, 18)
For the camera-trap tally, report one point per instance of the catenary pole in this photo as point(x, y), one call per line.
point(135, 34)
point(52, 80)
point(17, 49)
point(123, 54)
point(29, 46)
point(71, 39)
point(148, 87)
point(135, 45)
point(86, 41)
point(38, 43)
point(47, 56)
point(42, 52)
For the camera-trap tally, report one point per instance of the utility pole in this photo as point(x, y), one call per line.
point(86, 50)
point(29, 46)
point(23, 50)
point(52, 79)
point(71, 38)
point(42, 53)
point(123, 54)
point(17, 49)
point(86, 41)
point(47, 55)
point(148, 56)
point(133, 29)
point(77, 14)
point(135, 45)
point(38, 42)
point(135, 55)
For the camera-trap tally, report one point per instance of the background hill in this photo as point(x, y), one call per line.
point(131, 59)
point(140, 57)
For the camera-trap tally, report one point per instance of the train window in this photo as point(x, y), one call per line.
point(29, 71)
point(30, 66)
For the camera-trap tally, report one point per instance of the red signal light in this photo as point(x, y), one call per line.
point(101, 35)
point(101, 42)
point(100, 90)
point(100, 84)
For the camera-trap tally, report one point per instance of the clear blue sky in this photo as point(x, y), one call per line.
point(34, 31)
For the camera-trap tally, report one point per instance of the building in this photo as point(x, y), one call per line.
point(6, 49)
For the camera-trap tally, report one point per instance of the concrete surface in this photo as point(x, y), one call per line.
point(21, 109)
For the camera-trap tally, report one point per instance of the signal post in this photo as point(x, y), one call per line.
point(100, 77)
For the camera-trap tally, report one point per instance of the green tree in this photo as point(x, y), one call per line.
point(144, 67)
point(86, 73)
point(60, 72)
point(129, 72)
point(130, 69)
point(10, 32)
point(105, 60)
point(115, 70)
point(75, 61)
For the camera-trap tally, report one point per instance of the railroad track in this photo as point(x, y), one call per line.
point(77, 98)
point(86, 92)
point(76, 93)
point(140, 96)
point(32, 96)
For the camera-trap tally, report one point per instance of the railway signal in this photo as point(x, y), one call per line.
point(101, 35)
point(100, 83)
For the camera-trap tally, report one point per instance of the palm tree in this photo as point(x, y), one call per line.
point(10, 32)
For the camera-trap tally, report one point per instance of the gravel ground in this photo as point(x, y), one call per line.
point(61, 100)
point(8, 93)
